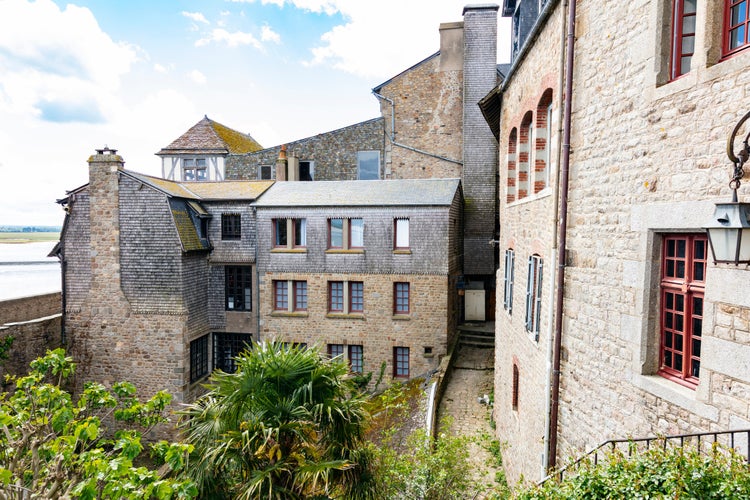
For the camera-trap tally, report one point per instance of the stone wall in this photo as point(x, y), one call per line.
point(32, 339)
point(28, 308)
point(334, 153)
point(377, 329)
point(647, 160)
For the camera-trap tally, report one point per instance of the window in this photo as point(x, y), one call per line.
point(280, 296)
point(237, 288)
point(400, 361)
point(194, 169)
point(336, 296)
point(514, 393)
point(198, 358)
point(401, 234)
point(401, 298)
point(542, 141)
point(230, 227)
point(228, 346)
point(510, 196)
point(356, 296)
point(524, 157)
point(356, 358)
point(534, 295)
point(265, 172)
point(683, 37)
point(368, 165)
point(300, 295)
point(345, 233)
point(281, 299)
point(306, 170)
point(290, 233)
point(510, 259)
point(682, 287)
point(735, 26)
point(335, 350)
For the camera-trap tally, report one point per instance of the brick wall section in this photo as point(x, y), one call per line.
point(377, 330)
point(479, 145)
point(28, 308)
point(32, 339)
point(334, 153)
point(428, 107)
point(648, 158)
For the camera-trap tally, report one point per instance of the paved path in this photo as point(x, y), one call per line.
point(472, 378)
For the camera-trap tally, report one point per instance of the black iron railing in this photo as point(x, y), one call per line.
point(704, 442)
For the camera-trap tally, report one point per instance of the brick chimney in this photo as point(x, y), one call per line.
point(104, 215)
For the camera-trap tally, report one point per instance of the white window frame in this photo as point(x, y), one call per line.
point(534, 296)
point(401, 233)
point(510, 260)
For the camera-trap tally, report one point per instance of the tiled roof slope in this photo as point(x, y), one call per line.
point(403, 192)
point(205, 191)
point(208, 136)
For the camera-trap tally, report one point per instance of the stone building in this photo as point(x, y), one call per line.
point(650, 335)
point(363, 268)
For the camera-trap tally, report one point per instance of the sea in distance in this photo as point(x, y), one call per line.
point(26, 270)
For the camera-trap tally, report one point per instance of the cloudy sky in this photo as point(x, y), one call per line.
point(136, 74)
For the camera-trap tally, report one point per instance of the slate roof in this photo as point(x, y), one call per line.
point(210, 137)
point(205, 191)
point(402, 192)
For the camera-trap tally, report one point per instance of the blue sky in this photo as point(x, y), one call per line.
point(135, 74)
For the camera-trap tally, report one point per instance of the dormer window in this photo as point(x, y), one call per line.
point(194, 169)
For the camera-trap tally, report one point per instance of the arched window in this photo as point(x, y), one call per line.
point(524, 157)
point(512, 166)
point(542, 136)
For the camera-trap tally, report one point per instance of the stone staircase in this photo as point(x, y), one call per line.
point(479, 335)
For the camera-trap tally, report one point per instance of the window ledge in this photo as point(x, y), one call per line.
point(676, 394)
point(346, 251)
point(287, 314)
point(401, 317)
point(289, 250)
point(345, 316)
point(402, 252)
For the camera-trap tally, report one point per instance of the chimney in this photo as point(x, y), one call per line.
point(281, 164)
point(104, 223)
point(452, 46)
point(293, 168)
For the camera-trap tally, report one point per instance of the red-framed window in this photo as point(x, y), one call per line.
point(289, 233)
point(336, 296)
point(335, 350)
point(683, 36)
point(280, 295)
point(401, 298)
point(682, 286)
point(356, 358)
point(401, 362)
point(401, 234)
point(736, 25)
point(356, 296)
point(300, 295)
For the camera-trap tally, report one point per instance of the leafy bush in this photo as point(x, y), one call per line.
point(655, 473)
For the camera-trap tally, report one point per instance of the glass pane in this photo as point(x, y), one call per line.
point(368, 163)
point(670, 268)
point(696, 368)
point(357, 230)
point(668, 339)
point(700, 249)
point(200, 162)
point(668, 320)
point(739, 13)
point(670, 301)
point(678, 343)
point(688, 45)
point(668, 358)
point(670, 248)
point(737, 37)
point(677, 362)
point(698, 270)
point(680, 269)
point(680, 304)
point(697, 327)
point(681, 248)
point(685, 64)
point(679, 324)
point(688, 28)
point(402, 233)
point(201, 174)
point(281, 232)
point(337, 233)
point(698, 306)
point(688, 7)
point(696, 348)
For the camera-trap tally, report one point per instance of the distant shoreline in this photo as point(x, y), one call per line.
point(22, 237)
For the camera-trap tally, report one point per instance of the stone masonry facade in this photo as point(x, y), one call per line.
point(648, 160)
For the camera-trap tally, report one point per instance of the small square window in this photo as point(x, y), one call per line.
point(368, 165)
point(231, 227)
point(265, 172)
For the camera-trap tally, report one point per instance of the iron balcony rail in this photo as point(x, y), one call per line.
point(702, 441)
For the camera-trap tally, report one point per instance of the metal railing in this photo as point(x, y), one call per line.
point(702, 441)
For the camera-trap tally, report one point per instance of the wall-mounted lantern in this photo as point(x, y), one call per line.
point(729, 228)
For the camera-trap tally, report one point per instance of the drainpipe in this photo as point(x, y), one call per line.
point(564, 173)
point(410, 148)
point(553, 252)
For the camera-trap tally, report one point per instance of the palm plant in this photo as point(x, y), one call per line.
point(288, 424)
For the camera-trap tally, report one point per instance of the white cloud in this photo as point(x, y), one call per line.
point(267, 34)
point(235, 39)
point(195, 16)
point(159, 68)
point(57, 60)
point(197, 77)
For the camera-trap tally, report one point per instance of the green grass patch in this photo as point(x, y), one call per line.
point(28, 237)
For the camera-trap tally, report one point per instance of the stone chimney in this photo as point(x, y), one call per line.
point(292, 168)
point(281, 164)
point(104, 215)
point(479, 144)
point(452, 46)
